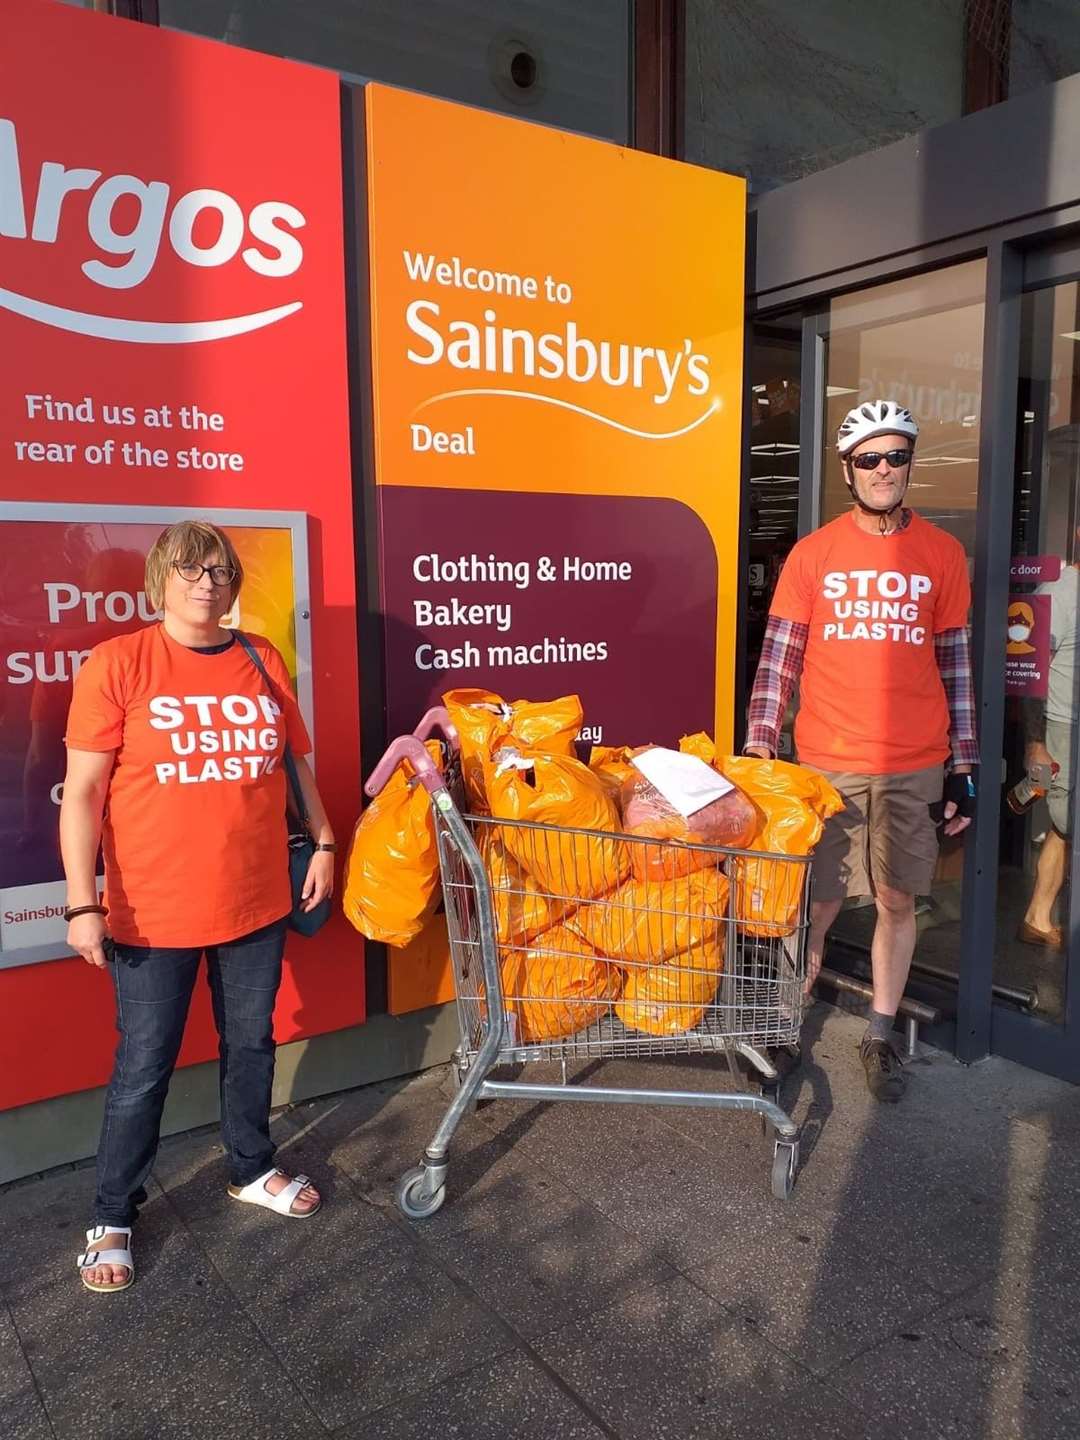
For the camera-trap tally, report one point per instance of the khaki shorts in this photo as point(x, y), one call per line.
point(883, 836)
point(1059, 738)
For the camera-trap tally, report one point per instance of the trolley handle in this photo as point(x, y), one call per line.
point(409, 749)
point(438, 718)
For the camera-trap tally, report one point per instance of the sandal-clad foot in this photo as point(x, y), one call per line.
point(294, 1197)
point(106, 1263)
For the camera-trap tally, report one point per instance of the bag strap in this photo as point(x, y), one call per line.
point(290, 763)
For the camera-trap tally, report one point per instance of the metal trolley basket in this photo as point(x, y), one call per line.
point(560, 954)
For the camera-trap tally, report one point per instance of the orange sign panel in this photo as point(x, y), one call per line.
point(557, 337)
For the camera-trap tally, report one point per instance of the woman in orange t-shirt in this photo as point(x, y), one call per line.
point(174, 770)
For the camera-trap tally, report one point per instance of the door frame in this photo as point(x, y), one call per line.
point(1020, 256)
point(1053, 1048)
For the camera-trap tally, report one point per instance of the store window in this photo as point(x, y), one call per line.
point(918, 342)
point(775, 408)
point(1043, 43)
point(777, 89)
point(560, 63)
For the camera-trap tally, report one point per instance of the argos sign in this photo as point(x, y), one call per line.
point(139, 246)
point(205, 227)
point(119, 209)
point(172, 338)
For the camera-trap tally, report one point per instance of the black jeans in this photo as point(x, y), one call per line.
point(153, 992)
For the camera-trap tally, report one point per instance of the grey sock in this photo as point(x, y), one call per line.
point(880, 1026)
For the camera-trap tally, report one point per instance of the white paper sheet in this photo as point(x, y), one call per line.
point(685, 782)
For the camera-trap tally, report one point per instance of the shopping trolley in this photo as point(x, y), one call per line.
point(560, 954)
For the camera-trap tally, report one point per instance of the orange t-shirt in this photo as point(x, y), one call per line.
point(871, 696)
point(194, 839)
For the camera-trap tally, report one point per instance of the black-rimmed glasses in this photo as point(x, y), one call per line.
point(219, 574)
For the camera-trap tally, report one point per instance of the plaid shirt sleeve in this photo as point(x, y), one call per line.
point(778, 670)
point(954, 661)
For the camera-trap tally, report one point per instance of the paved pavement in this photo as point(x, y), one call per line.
point(596, 1271)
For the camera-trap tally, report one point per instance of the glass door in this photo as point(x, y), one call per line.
point(918, 342)
point(1038, 911)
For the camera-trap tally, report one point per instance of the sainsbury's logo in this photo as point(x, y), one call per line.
point(122, 257)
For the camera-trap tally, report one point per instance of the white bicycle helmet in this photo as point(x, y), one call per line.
point(875, 417)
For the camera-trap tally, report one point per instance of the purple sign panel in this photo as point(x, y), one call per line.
point(1027, 646)
point(612, 598)
point(1034, 569)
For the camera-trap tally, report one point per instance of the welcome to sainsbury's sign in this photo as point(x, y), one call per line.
point(488, 345)
point(557, 372)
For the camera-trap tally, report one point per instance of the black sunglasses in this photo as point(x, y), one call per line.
point(873, 458)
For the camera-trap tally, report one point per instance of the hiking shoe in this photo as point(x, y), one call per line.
point(884, 1071)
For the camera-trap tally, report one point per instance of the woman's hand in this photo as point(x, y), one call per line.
point(85, 934)
point(319, 881)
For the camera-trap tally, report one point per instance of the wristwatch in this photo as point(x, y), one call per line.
point(323, 845)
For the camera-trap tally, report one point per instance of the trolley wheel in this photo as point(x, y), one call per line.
point(412, 1204)
point(785, 1164)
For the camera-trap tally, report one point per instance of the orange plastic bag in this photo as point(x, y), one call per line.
point(557, 986)
point(794, 802)
point(646, 922)
point(556, 790)
point(485, 723)
point(731, 820)
point(670, 999)
point(522, 909)
point(793, 805)
point(392, 869)
point(612, 764)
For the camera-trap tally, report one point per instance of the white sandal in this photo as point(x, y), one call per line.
point(256, 1193)
point(89, 1258)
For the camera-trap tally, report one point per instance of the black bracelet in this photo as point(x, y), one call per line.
point(323, 845)
point(70, 914)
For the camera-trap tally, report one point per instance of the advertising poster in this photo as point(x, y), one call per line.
point(172, 338)
point(557, 350)
point(70, 577)
point(1027, 646)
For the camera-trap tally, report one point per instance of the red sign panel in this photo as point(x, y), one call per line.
point(1034, 569)
point(172, 334)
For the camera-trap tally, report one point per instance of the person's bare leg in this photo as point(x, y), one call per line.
point(1049, 878)
point(822, 915)
point(890, 956)
point(892, 948)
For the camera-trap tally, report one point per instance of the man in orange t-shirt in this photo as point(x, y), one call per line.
point(870, 617)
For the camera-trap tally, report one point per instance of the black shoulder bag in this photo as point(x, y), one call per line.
point(301, 844)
